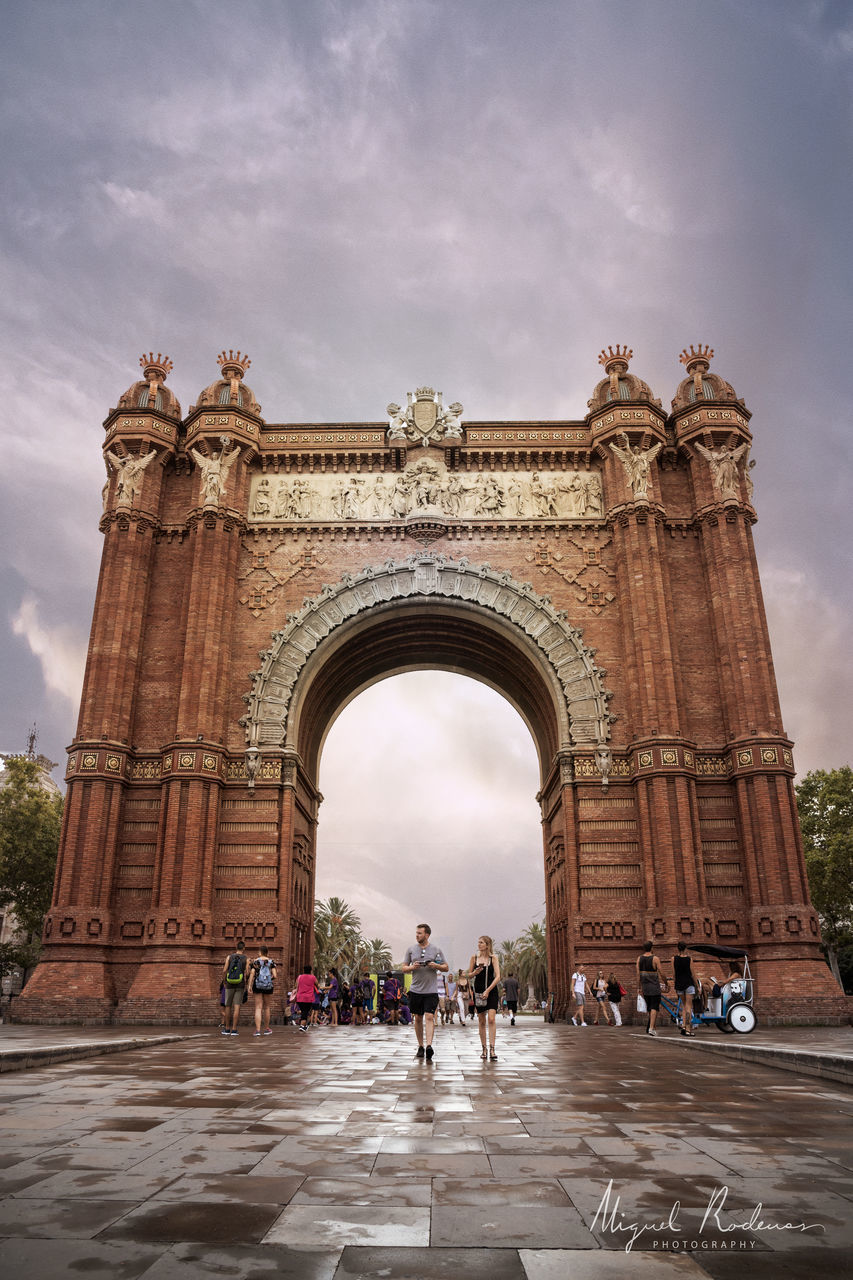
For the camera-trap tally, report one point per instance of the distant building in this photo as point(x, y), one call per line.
point(256, 576)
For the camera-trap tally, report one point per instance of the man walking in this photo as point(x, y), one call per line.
point(234, 979)
point(424, 962)
point(511, 992)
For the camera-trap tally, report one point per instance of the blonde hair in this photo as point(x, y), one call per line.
point(489, 941)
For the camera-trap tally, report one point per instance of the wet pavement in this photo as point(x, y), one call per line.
point(336, 1155)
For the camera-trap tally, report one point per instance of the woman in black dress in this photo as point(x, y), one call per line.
point(485, 970)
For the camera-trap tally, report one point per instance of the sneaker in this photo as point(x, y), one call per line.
point(268, 1032)
point(429, 1052)
point(584, 1024)
point(512, 1022)
point(574, 1022)
point(233, 1033)
point(223, 1031)
point(420, 1052)
point(254, 1033)
point(651, 1033)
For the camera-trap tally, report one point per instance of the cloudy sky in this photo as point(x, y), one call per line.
point(370, 196)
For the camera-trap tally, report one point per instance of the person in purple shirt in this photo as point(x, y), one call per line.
point(333, 993)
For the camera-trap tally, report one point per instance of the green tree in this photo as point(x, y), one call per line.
point(337, 936)
point(825, 804)
point(533, 959)
point(377, 955)
point(30, 822)
point(508, 956)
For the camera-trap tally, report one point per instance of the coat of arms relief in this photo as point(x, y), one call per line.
point(425, 420)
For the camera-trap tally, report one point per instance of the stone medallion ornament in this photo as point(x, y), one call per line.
point(425, 420)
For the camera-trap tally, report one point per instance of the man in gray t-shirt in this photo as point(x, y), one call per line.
point(424, 962)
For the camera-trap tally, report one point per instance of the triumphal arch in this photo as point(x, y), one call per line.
point(599, 573)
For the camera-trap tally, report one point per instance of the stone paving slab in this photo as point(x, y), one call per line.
point(337, 1155)
point(23, 1048)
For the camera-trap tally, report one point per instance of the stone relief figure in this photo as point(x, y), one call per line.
point(426, 484)
point(400, 498)
point(283, 501)
point(378, 498)
point(129, 469)
point(398, 422)
point(591, 497)
point(516, 497)
point(214, 471)
point(723, 464)
point(352, 500)
point(542, 497)
point(451, 420)
point(604, 763)
point(261, 505)
point(637, 464)
point(493, 501)
point(453, 497)
point(747, 479)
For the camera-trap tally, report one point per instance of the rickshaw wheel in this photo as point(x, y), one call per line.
point(722, 1025)
point(742, 1018)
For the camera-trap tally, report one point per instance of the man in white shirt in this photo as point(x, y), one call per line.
point(579, 989)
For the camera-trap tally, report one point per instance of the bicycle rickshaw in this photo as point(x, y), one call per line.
point(732, 1010)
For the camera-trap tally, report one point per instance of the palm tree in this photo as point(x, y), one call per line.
point(337, 935)
point(377, 955)
point(533, 959)
point(509, 957)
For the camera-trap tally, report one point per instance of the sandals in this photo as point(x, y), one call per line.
point(483, 1056)
point(493, 1057)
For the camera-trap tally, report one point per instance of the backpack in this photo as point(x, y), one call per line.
point(263, 978)
point(236, 969)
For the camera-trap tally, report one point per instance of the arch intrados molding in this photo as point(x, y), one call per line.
point(454, 637)
point(424, 578)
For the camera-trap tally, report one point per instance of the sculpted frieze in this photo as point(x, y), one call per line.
point(426, 487)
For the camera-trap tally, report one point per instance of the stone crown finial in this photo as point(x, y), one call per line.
point(696, 362)
point(233, 364)
point(620, 356)
point(615, 362)
point(155, 367)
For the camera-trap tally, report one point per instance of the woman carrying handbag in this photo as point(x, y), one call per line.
point(486, 973)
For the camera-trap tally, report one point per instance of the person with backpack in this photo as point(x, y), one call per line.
point(234, 981)
point(262, 986)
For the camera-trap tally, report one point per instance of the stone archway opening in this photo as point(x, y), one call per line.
point(427, 611)
point(429, 781)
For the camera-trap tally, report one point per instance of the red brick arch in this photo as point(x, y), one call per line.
point(427, 611)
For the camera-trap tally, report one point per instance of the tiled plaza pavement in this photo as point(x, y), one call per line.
point(336, 1155)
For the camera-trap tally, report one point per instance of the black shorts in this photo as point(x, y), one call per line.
point(512, 1005)
point(306, 1008)
point(421, 1004)
point(651, 995)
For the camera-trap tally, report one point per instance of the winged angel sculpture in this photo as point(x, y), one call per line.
point(214, 471)
point(129, 469)
point(723, 464)
point(636, 462)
